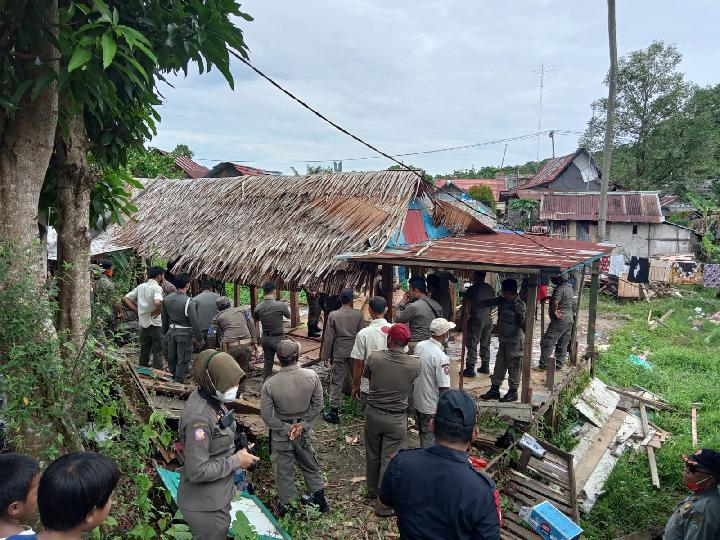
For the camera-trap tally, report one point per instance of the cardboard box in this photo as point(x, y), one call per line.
point(550, 523)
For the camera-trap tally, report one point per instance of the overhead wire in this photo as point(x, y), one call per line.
point(384, 154)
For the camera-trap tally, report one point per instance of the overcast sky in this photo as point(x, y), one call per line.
point(414, 75)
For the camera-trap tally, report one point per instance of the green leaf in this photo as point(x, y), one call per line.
point(115, 16)
point(109, 48)
point(104, 10)
point(80, 57)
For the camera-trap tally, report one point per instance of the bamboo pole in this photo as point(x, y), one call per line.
point(529, 331)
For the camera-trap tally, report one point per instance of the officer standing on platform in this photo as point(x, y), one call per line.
point(418, 310)
point(313, 302)
point(435, 491)
point(271, 313)
point(180, 325)
point(479, 325)
point(698, 517)
point(237, 334)
point(559, 331)
point(290, 403)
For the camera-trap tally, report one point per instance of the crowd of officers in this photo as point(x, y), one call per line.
point(396, 371)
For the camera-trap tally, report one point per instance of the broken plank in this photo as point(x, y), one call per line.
point(655, 404)
point(553, 474)
point(650, 450)
point(537, 497)
point(512, 522)
point(183, 391)
point(522, 412)
point(693, 421)
point(559, 493)
point(607, 434)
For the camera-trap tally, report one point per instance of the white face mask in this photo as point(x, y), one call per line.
point(227, 396)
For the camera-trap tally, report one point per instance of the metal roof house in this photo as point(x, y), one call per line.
point(228, 169)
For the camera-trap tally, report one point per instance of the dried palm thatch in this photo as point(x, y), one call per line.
point(284, 228)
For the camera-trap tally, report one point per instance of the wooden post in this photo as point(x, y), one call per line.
point(388, 283)
point(253, 298)
point(573, 345)
point(463, 348)
point(529, 331)
point(592, 316)
point(236, 293)
point(542, 318)
point(294, 308)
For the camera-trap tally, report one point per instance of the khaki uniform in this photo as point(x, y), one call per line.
point(206, 478)
point(479, 324)
point(180, 325)
point(695, 518)
point(392, 374)
point(511, 338)
point(558, 332)
point(340, 330)
point(206, 309)
point(270, 313)
point(418, 315)
point(236, 334)
point(293, 395)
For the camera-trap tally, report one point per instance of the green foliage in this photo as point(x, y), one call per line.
point(242, 529)
point(144, 163)
point(182, 150)
point(317, 169)
point(484, 194)
point(531, 167)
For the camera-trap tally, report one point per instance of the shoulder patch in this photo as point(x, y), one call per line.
point(446, 369)
point(199, 434)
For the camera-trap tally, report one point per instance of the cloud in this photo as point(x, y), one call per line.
point(418, 75)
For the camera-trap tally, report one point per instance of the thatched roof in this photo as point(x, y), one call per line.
point(284, 228)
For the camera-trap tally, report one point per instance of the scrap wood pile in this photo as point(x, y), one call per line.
point(622, 288)
point(617, 420)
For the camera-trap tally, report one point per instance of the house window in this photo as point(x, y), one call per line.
point(634, 229)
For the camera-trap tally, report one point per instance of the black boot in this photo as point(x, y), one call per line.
point(493, 393)
point(319, 499)
point(314, 331)
point(469, 372)
point(510, 396)
point(333, 417)
point(484, 368)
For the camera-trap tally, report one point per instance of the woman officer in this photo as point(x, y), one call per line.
point(207, 430)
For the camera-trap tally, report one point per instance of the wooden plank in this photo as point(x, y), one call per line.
point(649, 402)
point(522, 412)
point(236, 293)
point(592, 310)
point(513, 525)
point(606, 435)
point(532, 497)
point(573, 356)
point(693, 421)
point(650, 450)
point(551, 472)
point(549, 490)
point(528, 349)
point(388, 288)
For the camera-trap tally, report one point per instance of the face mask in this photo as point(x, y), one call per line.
point(697, 486)
point(227, 396)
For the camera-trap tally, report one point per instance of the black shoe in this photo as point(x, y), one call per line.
point(510, 396)
point(493, 393)
point(319, 499)
point(314, 331)
point(332, 417)
point(484, 368)
point(469, 372)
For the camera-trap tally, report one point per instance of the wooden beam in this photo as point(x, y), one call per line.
point(294, 309)
point(603, 439)
point(253, 298)
point(236, 293)
point(650, 450)
point(388, 285)
point(573, 356)
point(529, 331)
point(522, 412)
point(592, 316)
point(693, 426)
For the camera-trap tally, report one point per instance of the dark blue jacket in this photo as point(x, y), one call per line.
point(437, 494)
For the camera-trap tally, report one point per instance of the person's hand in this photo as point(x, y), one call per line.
point(246, 459)
point(295, 431)
point(255, 349)
point(327, 362)
point(355, 393)
point(559, 315)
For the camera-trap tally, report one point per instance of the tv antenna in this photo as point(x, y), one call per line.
point(543, 69)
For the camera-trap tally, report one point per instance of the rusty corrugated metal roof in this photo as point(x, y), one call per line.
point(509, 252)
point(192, 169)
point(547, 173)
point(497, 185)
point(623, 207)
point(414, 227)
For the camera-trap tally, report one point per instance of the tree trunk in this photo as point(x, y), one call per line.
point(26, 144)
point(75, 179)
point(609, 123)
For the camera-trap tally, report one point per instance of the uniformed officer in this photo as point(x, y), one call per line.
point(435, 491)
point(207, 432)
point(206, 303)
point(559, 330)
point(392, 374)
point(511, 337)
point(479, 325)
point(697, 517)
point(271, 313)
point(340, 330)
point(290, 403)
point(237, 334)
point(180, 325)
point(438, 284)
point(313, 302)
point(418, 310)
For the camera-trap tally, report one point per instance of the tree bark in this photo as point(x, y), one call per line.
point(75, 179)
point(609, 123)
point(26, 144)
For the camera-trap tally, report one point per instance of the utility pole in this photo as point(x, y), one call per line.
point(541, 71)
point(502, 164)
point(552, 138)
point(609, 123)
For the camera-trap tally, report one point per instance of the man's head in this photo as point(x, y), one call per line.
point(107, 266)
point(418, 287)
point(205, 285)
point(223, 303)
point(269, 289)
point(508, 289)
point(454, 421)
point(398, 335)
point(433, 283)
point(702, 470)
point(182, 282)
point(20, 476)
point(346, 296)
point(378, 307)
point(75, 492)
point(288, 352)
point(440, 328)
point(479, 276)
point(156, 273)
point(560, 279)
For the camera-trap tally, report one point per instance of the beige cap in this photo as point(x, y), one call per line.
point(440, 326)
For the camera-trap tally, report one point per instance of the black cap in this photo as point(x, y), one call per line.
point(509, 285)
point(346, 295)
point(707, 459)
point(456, 407)
point(105, 264)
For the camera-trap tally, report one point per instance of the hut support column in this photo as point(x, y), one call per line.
point(592, 316)
point(294, 308)
point(236, 293)
point(253, 298)
point(529, 331)
point(388, 284)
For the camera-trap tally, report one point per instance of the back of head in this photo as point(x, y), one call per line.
point(16, 475)
point(214, 370)
point(479, 276)
point(183, 280)
point(223, 302)
point(155, 272)
point(346, 296)
point(433, 282)
point(509, 285)
point(399, 334)
point(105, 264)
point(418, 283)
point(288, 351)
point(455, 417)
point(205, 285)
point(73, 486)
point(378, 305)
point(268, 288)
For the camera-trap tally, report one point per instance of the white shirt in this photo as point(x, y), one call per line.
point(27, 532)
point(144, 295)
point(367, 341)
point(434, 374)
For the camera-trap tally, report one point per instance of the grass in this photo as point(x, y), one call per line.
point(686, 370)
